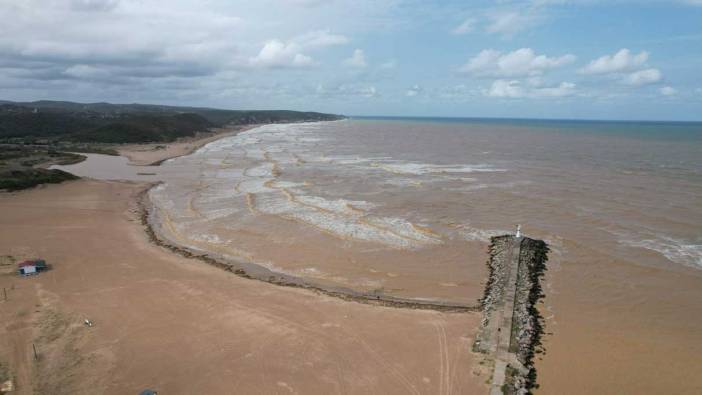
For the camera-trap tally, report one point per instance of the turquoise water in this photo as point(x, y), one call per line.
point(660, 130)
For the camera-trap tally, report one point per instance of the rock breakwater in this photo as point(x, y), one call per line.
point(512, 326)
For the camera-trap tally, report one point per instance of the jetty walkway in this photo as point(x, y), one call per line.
point(504, 320)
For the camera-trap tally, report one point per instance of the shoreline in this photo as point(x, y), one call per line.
point(253, 271)
point(256, 272)
point(150, 154)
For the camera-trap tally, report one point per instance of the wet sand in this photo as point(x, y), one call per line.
point(178, 326)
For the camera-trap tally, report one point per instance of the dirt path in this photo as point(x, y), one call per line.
point(176, 325)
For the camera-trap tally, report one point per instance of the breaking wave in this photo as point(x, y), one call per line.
point(675, 250)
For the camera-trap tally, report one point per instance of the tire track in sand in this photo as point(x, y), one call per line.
point(445, 363)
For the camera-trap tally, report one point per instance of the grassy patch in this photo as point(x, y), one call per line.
point(4, 373)
point(13, 180)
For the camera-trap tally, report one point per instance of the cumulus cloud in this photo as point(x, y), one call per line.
point(357, 60)
point(522, 62)
point(514, 89)
point(630, 69)
point(503, 88)
point(466, 27)
point(668, 91)
point(643, 77)
point(621, 61)
point(413, 91)
point(275, 53)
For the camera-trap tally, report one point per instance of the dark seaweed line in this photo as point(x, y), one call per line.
point(536, 270)
point(290, 281)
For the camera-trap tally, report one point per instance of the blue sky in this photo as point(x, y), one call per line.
point(584, 59)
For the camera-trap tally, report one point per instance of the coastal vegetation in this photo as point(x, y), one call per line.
point(53, 121)
point(35, 135)
point(25, 166)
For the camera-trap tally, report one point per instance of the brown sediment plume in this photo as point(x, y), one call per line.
point(512, 326)
point(260, 273)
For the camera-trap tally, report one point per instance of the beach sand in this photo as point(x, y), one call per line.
point(154, 153)
point(177, 325)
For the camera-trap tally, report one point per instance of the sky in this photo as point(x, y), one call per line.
point(576, 59)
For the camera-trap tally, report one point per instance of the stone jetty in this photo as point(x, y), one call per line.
point(512, 326)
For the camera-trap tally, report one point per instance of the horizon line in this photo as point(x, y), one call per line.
point(506, 118)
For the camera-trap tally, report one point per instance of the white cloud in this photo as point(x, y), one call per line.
point(508, 23)
point(514, 89)
point(415, 90)
point(503, 88)
point(466, 27)
point(522, 62)
point(629, 68)
point(275, 53)
point(668, 91)
point(643, 77)
point(621, 61)
point(357, 60)
point(562, 90)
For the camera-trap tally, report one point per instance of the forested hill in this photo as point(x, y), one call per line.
point(126, 123)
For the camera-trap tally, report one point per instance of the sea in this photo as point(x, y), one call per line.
point(406, 206)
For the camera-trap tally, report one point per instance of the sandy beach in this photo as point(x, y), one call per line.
point(176, 325)
point(155, 153)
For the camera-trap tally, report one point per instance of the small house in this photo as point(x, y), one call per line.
point(31, 267)
point(26, 268)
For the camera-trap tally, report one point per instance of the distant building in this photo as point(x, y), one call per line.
point(27, 268)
